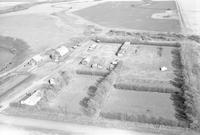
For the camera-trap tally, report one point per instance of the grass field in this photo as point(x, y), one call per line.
point(140, 103)
point(12, 52)
point(5, 56)
point(132, 15)
point(69, 98)
point(144, 62)
point(39, 31)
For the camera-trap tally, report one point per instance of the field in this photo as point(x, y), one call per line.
point(5, 56)
point(136, 103)
point(132, 15)
point(13, 52)
point(144, 62)
point(141, 88)
point(141, 69)
point(38, 31)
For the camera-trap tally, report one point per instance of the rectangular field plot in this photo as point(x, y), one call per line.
point(144, 62)
point(69, 98)
point(134, 103)
point(134, 15)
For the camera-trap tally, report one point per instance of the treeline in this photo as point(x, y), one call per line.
point(97, 93)
point(136, 87)
point(135, 40)
point(142, 119)
point(183, 100)
point(93, 73)
point(149, 35)
point(190, 59)
point(156, 36)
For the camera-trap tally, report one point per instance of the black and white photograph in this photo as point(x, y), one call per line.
point(99, 67)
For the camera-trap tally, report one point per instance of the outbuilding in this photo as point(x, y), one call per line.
point(62, 50)
point(36, 60)
point(32, 99)
point(58, 53)
point(163, 68)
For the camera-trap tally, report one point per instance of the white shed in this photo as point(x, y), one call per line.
point(33, 99)
point(62, 50)
point(36, 59)
point(163, 68)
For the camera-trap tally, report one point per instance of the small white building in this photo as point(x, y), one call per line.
point(115, 62)
point(58, 53)
point(33, 99)
point(62, 50)
point(35, 59)
point(163, 68)
point(92, 47)
point(95, 65)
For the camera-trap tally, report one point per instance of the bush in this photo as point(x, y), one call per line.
point(133, 40)
point(95, 73)
point(92, 90)
point(141, 118)
point(97, 93)
point(136, 87)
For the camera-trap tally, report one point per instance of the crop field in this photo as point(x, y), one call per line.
point(38, 31)
point(140, 103)
point(132, 15)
